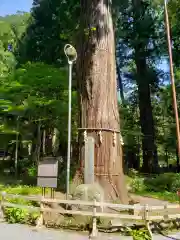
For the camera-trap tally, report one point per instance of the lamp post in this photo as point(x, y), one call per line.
point(71, 55)
point(172, 76)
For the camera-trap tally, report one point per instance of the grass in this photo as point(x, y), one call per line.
point(165, 196)
point(21, 189)
point(10, 185)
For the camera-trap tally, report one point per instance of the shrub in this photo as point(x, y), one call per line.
point(32, 217)
point(176, 183)
point(165, 182)
point(162, 186)
point(32, 171)
point(133, 172)
point(23, 165)
point(141, 234)
point(137, 185)
point(16, 215)
point(160, 183)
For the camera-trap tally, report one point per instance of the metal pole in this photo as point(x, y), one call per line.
point(71, 55)
point(69, 130)
point(172, 76)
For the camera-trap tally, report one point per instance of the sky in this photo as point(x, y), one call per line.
point(12, 6)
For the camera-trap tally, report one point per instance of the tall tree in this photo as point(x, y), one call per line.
point(138, 30)
point(98, 95)
point(144, 90)
point(174, 15)
point(51, 26)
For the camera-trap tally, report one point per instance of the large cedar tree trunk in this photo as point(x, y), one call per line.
point(98, 96)
point(146, 114)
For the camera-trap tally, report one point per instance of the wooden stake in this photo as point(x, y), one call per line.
point(146, 218)
point(94, 224)
point(2, 205)
point(40, 221)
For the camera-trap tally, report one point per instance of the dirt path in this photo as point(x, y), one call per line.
point(148, 200)
point(141, 199)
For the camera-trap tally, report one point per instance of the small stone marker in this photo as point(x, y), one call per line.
point(89, 161)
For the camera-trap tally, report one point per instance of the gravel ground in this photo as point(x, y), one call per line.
point(23, 232)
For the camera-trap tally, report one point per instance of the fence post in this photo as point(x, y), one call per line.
point(136, 211)
point(94, 223)
point(40, 220)
point(166, 212)
point(146, 219)
point(2, 205)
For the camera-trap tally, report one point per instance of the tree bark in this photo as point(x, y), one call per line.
point(120, 82)
point(98, 96)
point(44, 142)
point(146, 119)
point(55, 142)
point(120, 85)
point(37, 144)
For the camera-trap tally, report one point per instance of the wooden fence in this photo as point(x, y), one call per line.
point(97, 209)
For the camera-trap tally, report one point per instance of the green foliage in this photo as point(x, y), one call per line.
point(16, 24)
point(174, 14)
point(52, 25)
point(163, 186)
point(175, 184)
point(132, 173)
point(20, 215)
point(11, 29)
point(7, 62)
point(37, 93)
point(16, 215)
point(20, 189)
point(32, 171)
point(141, 234)
point(164, 182)
point(137, 185)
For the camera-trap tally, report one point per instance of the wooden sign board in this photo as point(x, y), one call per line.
point(48, 173)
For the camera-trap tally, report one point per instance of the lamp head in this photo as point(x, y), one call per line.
point(70, 53)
